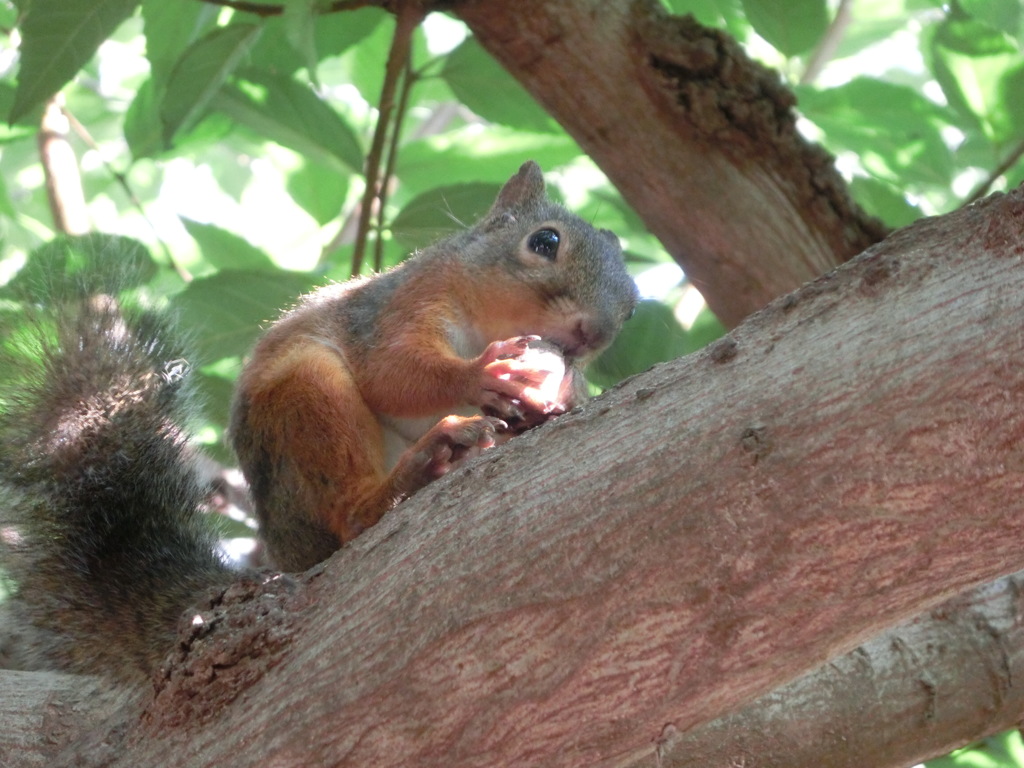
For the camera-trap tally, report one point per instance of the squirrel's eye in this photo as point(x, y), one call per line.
point(544, 242)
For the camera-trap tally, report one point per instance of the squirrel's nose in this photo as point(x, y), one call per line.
point(591, 334)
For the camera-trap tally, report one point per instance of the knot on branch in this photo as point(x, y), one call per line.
point(744, 110)
point(224, 646)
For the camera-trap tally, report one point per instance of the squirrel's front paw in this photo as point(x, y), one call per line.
point(448, 444)
point(522, 381)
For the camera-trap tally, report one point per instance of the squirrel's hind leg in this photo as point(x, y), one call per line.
point(312, 453)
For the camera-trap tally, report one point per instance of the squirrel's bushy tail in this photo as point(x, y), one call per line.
point(101, 527)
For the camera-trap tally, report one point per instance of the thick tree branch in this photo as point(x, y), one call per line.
point(920, 690)
point(848, 458)
point(42, 713)
point(947, 678)
point(698, 139)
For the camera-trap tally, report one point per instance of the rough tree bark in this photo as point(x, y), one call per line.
point(951, 676)
point(42, 713)
point(847, 458)
point(449, 636)
point(701, 141)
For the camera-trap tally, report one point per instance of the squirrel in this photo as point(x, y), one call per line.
point(360, 395)
point(368, 390)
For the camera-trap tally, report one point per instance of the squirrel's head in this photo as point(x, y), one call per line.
point(568, 279)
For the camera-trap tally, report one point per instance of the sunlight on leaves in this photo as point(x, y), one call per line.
point(199, 74)
point(58, 38)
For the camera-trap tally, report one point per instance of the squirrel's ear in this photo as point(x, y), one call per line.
point(526, 187)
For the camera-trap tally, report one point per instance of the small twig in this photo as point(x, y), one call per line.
point(349, 227)
point(983, 189)
point(409, 16)
point(122, 181)
point(829, 42)
point(346, 234)
point(439, 118)
point(408, 80)
point(265, 10)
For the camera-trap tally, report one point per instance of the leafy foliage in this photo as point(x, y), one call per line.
point(1001, 751)
point(231, 145)
point(58, 39)
point(792, 27)
point(198, 75)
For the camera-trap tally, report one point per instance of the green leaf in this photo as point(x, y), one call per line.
point(9, 15)
point(998, 14)
point(58, 37)
point(199, 74)
point(733, 18)
point(226, 250)
point(29, 124)
point(486, 88)
point(6, 206)
point(170, 27)
point(652, 335)
point(1003, 750)
point(1009, 121)
point(876, 25)
point(333, 33)
point(283, 110)
point(792, 26)
point(705, 329)
point(320, 190)
point(885, 201)
point(893, 129)
point(300, 20)
point(969, 60)
point(215, 393)
point(226, 311)
point(142, 127)
point(613, 212)
point(713, 13)
point(469, 156)
point(363, 65)
point(440, 211)
point(973, 38)
point(338, 32)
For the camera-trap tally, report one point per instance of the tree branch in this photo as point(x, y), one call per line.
point(410, 14)
point(829, 42)
point(948, 678)
point(691, 541)
point(1007, 163)
point(43, 713)
point(681, 120)
point(408, 80)
point(63, 181)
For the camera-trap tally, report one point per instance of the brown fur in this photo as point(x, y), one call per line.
point(439, 335)
point(101, 524)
